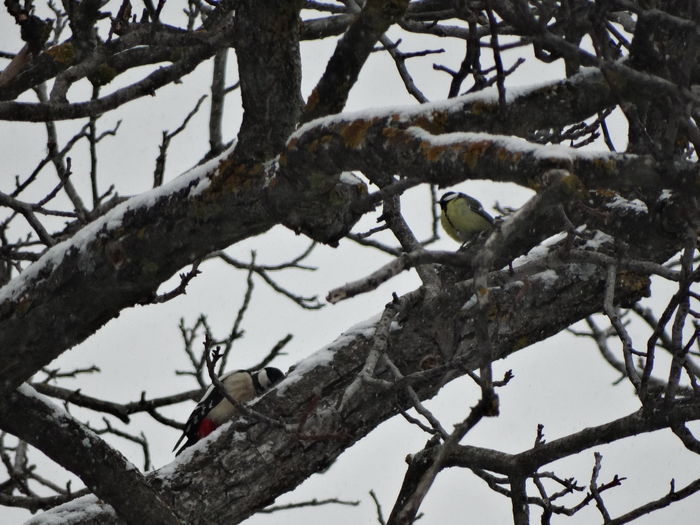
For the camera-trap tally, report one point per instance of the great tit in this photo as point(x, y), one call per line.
point(213, 410)
point(463, 218)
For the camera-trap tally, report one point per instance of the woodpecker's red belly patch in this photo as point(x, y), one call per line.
point(205, 428)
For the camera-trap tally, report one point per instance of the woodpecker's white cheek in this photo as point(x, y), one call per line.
point(264, 380)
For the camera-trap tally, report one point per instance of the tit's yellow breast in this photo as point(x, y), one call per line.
point(461, 222)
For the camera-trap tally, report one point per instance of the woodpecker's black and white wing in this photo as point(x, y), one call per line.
point(209, 400)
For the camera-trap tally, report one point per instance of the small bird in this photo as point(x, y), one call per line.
point(463, 218)
point(213, 410)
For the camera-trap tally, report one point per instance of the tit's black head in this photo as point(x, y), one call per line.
point(447, 197)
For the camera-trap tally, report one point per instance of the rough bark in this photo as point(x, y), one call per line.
point(436, 340)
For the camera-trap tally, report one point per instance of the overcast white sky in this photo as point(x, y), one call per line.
point(561, 383)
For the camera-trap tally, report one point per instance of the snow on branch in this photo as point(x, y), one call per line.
point(310, 398)
point(32, 417)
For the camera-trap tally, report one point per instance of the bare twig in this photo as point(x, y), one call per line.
point(180, 289)
point(613, 315)
point(378, 506)
point(159, 171)
point(310, 503)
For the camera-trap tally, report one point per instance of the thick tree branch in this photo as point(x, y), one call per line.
point(623, 216)
point(127, 54)
point(269, 68)
point(245, 451)
point(389, 142)
point(49, 111)
point(526, 463)
point(30, 417)
point(122, 411)
point(128, 252)
point(350, 54)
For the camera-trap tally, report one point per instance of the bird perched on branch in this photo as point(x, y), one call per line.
point(213, 410)
point(463, 217)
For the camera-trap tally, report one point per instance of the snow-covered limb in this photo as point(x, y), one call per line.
point(121, 258)
point(192, 183)
point(523, 231)
point(351, 52)
point(86, 510)
point(577, 98)
point(385, 142)
point(114, 262)
point(559, 188)
point(32, 417)
point(380, 338)
point(312, 392)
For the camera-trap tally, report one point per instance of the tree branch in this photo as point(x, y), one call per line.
point(30, 417)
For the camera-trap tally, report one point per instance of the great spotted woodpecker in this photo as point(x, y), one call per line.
point(214, 409)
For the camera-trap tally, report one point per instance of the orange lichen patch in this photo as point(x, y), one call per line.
point(225, 164)
point(440, 119)
point(605, 192)
point(573, 185)
point(521, 342)
point(233, 182)
point(232, 177)
point(355, 133)
point(473, 152)
point(313, 100)
point(508, 156)
point(393, 133)
point(23, 305)
point(432, 152)
point(62, 53)
point(435, 123)
point(632, 282)
point(482, 106)
point(396, 137)
point(103, 75)
point(607, 164)
point(292, 144)
point(314, 145)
